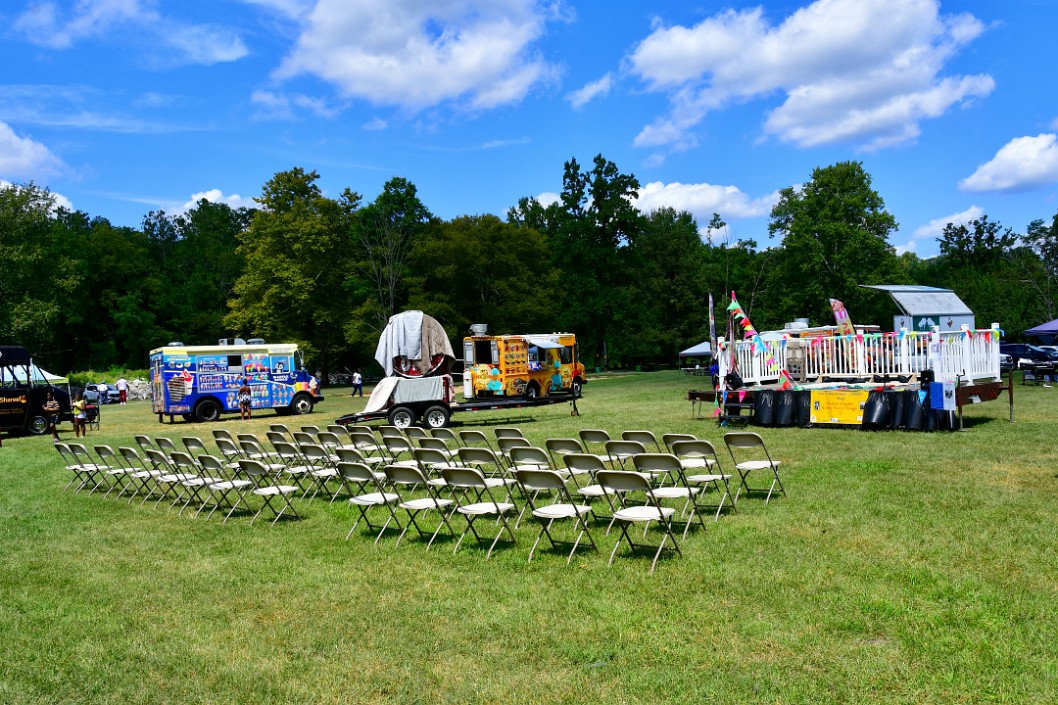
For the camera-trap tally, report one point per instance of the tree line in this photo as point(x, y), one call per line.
point(327, 273)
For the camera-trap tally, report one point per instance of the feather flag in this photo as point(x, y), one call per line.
point(712, 326)
point(845, 326)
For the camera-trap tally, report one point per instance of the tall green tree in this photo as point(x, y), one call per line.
point(668, 288)
point(589, 232)
point(297, 248)
point(39, 275)
point(386, 230)
point(478, 269)
point(835, 236)
point(982, 263)
point(1041, 270)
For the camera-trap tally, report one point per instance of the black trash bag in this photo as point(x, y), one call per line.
point(876, 410)
point(764, 407)
point(912, 411)
point(784, 408)
point(897, 407)
point(804, 408)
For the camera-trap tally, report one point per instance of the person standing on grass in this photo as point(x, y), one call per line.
point(80, 416)
point(358, 383)
point(51, 411)
point(123, 389)
point(245, 397)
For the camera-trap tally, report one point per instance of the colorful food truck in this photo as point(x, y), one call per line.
point(24, 389)
point(200, 382)
point(529, 366)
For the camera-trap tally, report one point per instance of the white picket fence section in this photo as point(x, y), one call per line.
point(966, 354)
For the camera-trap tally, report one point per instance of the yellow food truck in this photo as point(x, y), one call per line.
point(528, 365)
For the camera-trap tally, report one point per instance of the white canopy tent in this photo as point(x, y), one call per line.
point(40, 376)
point(702, 349)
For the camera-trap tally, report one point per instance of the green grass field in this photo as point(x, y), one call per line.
point(902, 568)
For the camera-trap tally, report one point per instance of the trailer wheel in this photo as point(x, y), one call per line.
point(401, 417)
point(302, 404)
point(578, 385)
point(37, 425)
point(436, 417)
point(207, 410)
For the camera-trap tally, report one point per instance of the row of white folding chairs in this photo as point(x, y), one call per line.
point(207, 480)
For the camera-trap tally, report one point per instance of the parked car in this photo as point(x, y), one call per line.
point(1025, 355)
point(1006, 362)
point(91, 394)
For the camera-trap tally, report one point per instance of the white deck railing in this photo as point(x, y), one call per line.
point(967, 354)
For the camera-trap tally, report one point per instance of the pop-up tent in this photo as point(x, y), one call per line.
point(40, 376)
point(702, 349)
point(1046, 332)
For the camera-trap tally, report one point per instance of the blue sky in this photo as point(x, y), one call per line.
point(121, 107)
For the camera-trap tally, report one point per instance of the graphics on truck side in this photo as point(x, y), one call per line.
point(532, 365)
point(202, 382)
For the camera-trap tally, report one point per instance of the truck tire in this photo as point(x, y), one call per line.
point(532, 391)
point(302, 404)
point(37, 425)
point(401, 417)
point(436, 417)
point(207, 410)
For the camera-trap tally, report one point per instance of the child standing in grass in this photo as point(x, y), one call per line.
point(80, 416)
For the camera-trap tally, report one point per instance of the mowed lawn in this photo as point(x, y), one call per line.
point(901, 568)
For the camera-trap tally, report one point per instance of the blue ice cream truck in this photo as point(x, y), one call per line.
point(201, 382)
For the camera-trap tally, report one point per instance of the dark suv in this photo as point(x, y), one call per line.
point(1025, 355)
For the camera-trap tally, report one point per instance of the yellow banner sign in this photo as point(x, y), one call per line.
point(838, 406)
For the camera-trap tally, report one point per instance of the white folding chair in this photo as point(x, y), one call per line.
point(474, 438)
point(368, 495)
point(749, 454)
point(647, 438)
point(666, 465)
point(468, 483)
point(142, 474)
point(618, 452)
point(622, 482)
point(116, 472)
point(259, 475)
point(535, 481)
point(593, 440)
point(669, 438)
point(402, 477)
point(225, 485)
point(701, 466)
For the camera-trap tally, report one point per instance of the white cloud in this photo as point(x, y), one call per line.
point(215, 195)
point(860, 71)
point(48, 25)
point(547, 198)
point(702, 200)
point(590, 91)
point(414, 54)
point(935, 227)
point(280, 106)
point(24, 158)
point(1022, 163)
